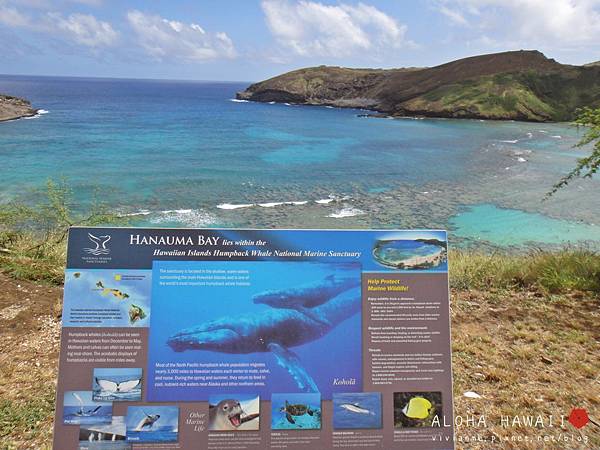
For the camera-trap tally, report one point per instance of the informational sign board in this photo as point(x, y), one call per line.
point(255, 339)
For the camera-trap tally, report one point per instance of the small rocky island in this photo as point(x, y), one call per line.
point(517, 85)
point(12, 108)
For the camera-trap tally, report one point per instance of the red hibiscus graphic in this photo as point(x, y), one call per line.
point(579, 418)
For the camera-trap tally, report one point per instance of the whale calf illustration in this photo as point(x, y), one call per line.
point(274, 330)
point(304, 298)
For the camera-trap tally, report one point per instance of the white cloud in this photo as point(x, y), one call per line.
point(534, 22)
point(13, 18)
point(84, 29)
point(311, 28)
point(170, 39)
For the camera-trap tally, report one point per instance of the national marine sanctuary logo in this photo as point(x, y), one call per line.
point(100, 242)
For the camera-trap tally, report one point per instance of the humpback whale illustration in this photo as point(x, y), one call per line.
point(304, 298)
point(100, 242)
point(274, 330)
point(147, 421)
point(85, 412)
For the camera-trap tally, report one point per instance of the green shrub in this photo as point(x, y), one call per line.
point(33, 237)
point(552, 272)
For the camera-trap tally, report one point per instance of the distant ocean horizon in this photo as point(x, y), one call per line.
point(186, 153)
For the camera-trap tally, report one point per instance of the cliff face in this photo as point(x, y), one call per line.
point(15, 108)
point(521, 85)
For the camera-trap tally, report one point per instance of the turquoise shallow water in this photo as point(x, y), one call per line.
point(513, 227)
point(171, 153)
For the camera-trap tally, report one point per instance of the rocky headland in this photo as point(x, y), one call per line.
point(12, 108)
point(516, 85)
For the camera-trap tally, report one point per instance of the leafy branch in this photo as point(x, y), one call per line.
point(586, 167)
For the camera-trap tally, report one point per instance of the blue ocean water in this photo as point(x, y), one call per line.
point(344, 418)
point(161, 434)
point(178, 153)
point(194, 303)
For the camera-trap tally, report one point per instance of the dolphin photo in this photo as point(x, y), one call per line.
point(152, 423)
point(234, 412)
point(80, 409)
point(107, 298)
point(417, 409)
point(273, 317)
point(118, 384)
point(357, 410)
point(296, 411)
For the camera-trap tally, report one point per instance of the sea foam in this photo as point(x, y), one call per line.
point(234, 206)
point(346, 212)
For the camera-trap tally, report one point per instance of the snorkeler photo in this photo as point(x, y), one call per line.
point(234, 412)
point(100, 436)
point(296, 411)
point(152, 423)
point(119, 384)
point(417, 409)
point(271, 318)
point(357, 410)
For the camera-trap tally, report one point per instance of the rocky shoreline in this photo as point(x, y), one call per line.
point(12, 108)
point(517, 85)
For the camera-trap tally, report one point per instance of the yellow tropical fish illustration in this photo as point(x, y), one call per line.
point(418, 408)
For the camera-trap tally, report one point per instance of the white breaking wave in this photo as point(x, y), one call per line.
point(510, 141)
point(237, 100)
point(520, 159)
point(273, 204)
point(346, 212)
point(557, 137)
point(40, 113)
point(325, 201)
point(188, 217)
point(234, 206)
point(141, 212)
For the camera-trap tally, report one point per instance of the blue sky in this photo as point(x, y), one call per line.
point(248, 40)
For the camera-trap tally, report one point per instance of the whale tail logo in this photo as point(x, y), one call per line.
point(100, 242)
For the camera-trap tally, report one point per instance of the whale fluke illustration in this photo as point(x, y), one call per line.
point(308, 296)
point(100, 242)
point(274, 330)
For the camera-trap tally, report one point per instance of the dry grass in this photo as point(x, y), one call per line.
point(527, 355)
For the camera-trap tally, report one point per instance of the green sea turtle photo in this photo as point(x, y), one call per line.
point(295, 410)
